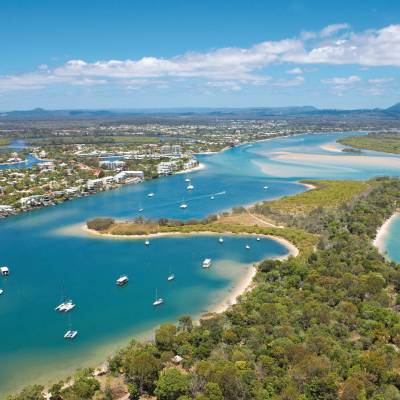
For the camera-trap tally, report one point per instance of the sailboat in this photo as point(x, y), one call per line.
point(158, 300)
point(171, 276)
point(1, 291)
point(183, 205)
point(70, 334)
point(150, 194)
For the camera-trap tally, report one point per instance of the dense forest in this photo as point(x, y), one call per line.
point(324, 325)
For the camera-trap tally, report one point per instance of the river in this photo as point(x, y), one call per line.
point(46, 259)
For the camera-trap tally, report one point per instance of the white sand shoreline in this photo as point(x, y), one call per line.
point(381, 235)
point(198, 167)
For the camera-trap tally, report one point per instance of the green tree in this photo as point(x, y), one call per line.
point(172, 384)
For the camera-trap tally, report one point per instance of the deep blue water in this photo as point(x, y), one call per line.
point(44, 256)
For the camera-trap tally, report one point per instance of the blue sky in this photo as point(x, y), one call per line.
point(170, 53)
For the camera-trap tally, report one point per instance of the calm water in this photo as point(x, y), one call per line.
point(44, 257)
point(392, 240)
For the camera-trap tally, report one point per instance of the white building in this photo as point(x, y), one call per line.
point(112, 164)
point(167, 168)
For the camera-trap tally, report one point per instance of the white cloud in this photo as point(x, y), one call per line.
point(299, 80)
point(380, 81)
point(295, 71)
point(332, 29)
point(329, 46)
point(350, 80)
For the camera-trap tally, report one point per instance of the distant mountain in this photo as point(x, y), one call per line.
point(395, 109)
point(392, 112)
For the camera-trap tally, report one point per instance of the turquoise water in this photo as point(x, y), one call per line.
point(45, 256)
point(392, 240)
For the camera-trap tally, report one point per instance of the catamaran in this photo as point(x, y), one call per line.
point(70, 334)
point(65, 306)
point(207, 263)
point(158, 300)
point(122, 280)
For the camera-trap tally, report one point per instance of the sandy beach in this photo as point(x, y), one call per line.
point(196, 168)
point(379, 241)
point(331, 147)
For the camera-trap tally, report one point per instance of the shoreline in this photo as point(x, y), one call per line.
point(292, 249)
point(198, 167)
point(382, 232)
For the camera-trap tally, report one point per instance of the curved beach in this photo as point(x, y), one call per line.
point(383, 232)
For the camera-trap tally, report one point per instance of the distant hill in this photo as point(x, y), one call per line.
point(392, 112)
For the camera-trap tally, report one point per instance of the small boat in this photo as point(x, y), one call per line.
point(207, 263)
point(140, 209)
point(150, 194)
point(258, 239)
point(70, 334)
point(212, 197)
point(221, 240)
point(1, 291)
point(183, 206)
point(190, 187)
point(247, 247)
point(187, 180)
point(65, 306)
point(171, 277)
point(265, 187)
point(4, 271)
point(147, 243)
point(122, 280)
point(158, 300)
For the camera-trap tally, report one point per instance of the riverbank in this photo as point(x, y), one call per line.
point(382, 233)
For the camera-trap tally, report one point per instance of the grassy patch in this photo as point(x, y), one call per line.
point(388, 143)
point(327, 194)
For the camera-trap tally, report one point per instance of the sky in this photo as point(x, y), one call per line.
point(205, 53)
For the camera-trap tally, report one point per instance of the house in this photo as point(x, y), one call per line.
point(113, 165)
point(167, 168)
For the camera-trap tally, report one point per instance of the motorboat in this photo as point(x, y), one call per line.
point(150, 194)
point(258, 239)
point(212, 197)
point(207, 263)
point(1, 291)
point(4, 271)
point(122, 280)
point(221, 240)
point(247, 247)
point(183, 206)
point(147, 243)
point(187, 180)
point(190, 187)
point(265, 187)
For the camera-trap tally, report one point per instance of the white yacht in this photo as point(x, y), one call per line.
point(70, 334)
point(122, 280)
point(183, 206)
point(140, 209)
point(207, 263)
point(1, 291)
point(187, 180)
point(247, 247)
point(265, 187)
point(147, 242)
point(150, 194)
point(190, 187)
point(158, 300)
point(221, 240)
point(258, 239)
point(4, 271)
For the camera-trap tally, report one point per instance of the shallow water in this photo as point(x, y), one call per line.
point(43, 260)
